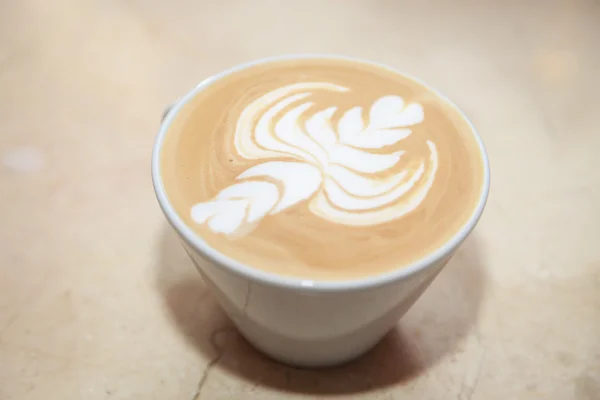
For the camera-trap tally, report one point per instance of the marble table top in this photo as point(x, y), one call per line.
point(99, 301)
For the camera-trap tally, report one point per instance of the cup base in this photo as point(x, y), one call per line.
point(319, 355)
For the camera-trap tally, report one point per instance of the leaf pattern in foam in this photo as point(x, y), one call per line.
point(359, 185)
point(350, 124)
point(390, 112)
point(361, 161)
point(342, 199)
point(240, 203)
point(266, 139)
point(376, 139)
point(222, 216)
point(288, 131)
point(300, 180)
point(244, 137)
point(320, 130)
point(336, 166)
point(231, 219)
point(322, 206)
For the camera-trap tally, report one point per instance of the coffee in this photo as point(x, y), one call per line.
point(321, 168)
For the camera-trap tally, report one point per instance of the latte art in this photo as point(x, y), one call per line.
point(334, 167)
point(320, 168)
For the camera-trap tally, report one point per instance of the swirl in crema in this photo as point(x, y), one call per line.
point(343, 171)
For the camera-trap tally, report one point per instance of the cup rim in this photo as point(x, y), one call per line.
point(296, 283)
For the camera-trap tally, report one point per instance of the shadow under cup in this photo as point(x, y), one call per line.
point(301, 322)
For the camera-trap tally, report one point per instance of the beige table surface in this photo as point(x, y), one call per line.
point(98, 300)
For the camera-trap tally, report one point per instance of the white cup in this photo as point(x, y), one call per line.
point(304, 322)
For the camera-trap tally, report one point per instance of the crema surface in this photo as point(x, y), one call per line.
point(321, 169)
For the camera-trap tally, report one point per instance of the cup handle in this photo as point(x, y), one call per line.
point(168, 109)
point(166, 112)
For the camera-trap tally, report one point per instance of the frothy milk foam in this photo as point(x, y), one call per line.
point(321, 168)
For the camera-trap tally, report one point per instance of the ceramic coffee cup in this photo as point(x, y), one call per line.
point(305, 322)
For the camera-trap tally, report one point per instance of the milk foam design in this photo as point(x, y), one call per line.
point(343, 171)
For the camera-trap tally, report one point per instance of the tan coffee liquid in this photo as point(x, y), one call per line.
point(321, 169)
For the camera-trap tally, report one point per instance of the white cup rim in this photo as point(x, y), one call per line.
point(290, 282)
